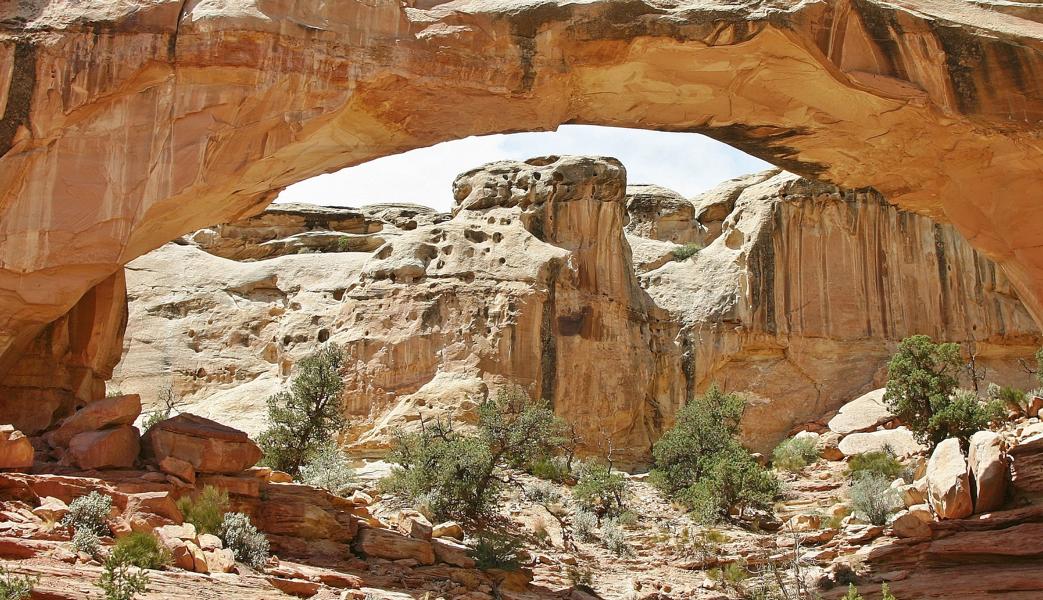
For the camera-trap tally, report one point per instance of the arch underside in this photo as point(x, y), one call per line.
point(127, 126)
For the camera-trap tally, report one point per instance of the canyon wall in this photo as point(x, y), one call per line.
point(124, 124)
point(555, 276)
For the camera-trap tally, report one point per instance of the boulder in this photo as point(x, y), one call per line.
point(452, 553)
point(900, 440)
point(156, 503)
point(219, 560)
point(828, 446)
point(415, 525)
point(864, 413)
point(295, 587)
point(948, 484)
point(913, 523)
point(100, 414)
point(448, 529)
point(16, 451)
point(110, 448)
point(209, 542)
point(181, 469)
point(51, 509)
point(206, 445)
point(989, 471)
point(385, 543)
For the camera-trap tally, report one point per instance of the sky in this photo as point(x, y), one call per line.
point(688, 163)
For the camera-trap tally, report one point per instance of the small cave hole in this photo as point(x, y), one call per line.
point(324, 334)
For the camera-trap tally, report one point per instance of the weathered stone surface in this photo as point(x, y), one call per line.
point(206, 445)
point(177, 467)
point(448, 529)
point(988, 469)
point(658, 213)
point(384, 543)
point(900, 440)
point(1027, 464)
point(213, 150)
point(99, 414)
point(112, 448)
point(16, 451)
point(453, 553)
point(861, 414)
point(948, 484)
point(414, 525)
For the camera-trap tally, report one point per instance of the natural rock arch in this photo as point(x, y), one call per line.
point(129, 123)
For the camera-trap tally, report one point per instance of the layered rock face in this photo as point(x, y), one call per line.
point(126, 124)
point(540, 279)
point(807, 288)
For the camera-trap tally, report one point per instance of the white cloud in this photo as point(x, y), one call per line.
point(686, 162)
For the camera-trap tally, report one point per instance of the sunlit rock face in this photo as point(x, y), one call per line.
point(542, 279)
point(128, 123)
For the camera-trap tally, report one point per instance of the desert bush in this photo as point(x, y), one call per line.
point(1012, 398)
point(599, 490)
point(15, 587)
point(205, 510)
point(143, 551)
point(242, 538)
point(584, 524)
point(86, 541)
point(580, 577)
point(700, 462)
point(852, 593)
point(304, 420)
point(794, 454)
point(460, 475)
point(328, 469)
point(873, 498)
point(613, 538)
point(118, 581)
point(881, 462)
point(921, 391)
point(552, 468)
point(541, 492)
point(89, 513)
point(169, 402)
point(496, 551)
point(686, 251)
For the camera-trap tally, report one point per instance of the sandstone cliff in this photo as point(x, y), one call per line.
point(553, 276)
point(130, 122)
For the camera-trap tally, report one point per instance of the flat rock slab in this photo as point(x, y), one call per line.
point(861, 414)
point(900, 440)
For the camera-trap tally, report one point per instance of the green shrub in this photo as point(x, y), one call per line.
point(169, 402)
point(206, 510)
point(580, 577)
point(304, 420)
point(89, 513)
point(552, 468)
point(1011, 397)
point(459, 475)
point(328, 469)
point(496, 551)
point(242, 538)
point(686, 251)
point(613, 537)
point(15, 587)
point(600, 491)
point(542, 492)
point(118, 582)
point(143, 551)
point(873, 498)
point(852, 593)
point(700, 462)
point(921, 391)
point(881, 462)
point(794, 454)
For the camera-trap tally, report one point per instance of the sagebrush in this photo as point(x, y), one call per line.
point(328, 468)
point(244, 540)
point(496, 551)
point(89, 513)
point(206, 509)
point(873, 498)
point(143, 550)
point(794, 454)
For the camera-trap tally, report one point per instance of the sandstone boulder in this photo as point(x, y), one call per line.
point(16, 451)
point(948, 484)
point(219, 560)
point(109, 448)
point(452, 553)
point(415, 525)
point(181, 469)
point(900, 440)
point(448, 529)
point(206, 445)
point(106, 412)
point(861, 414)
point(385, 543)
point(52, 509)
point(913, 523)
point(989, 470)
